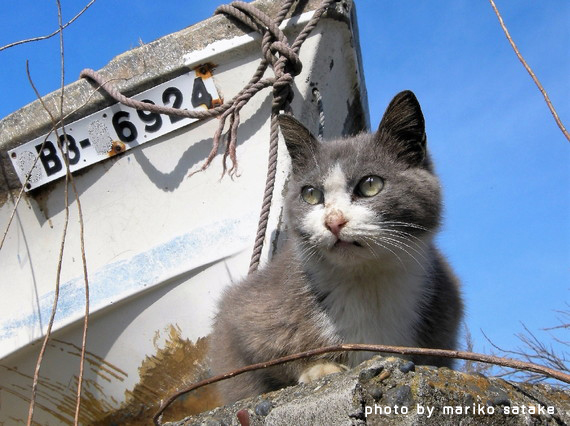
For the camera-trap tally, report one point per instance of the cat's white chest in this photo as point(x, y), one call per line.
point(382, 308)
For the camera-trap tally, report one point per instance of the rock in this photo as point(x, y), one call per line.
point(376, 392)
point(399, 396)
point(382, 392)
point(369, 373)
point(263, 408)
point(407, 367)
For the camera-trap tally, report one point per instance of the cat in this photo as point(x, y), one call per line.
point(359, 264)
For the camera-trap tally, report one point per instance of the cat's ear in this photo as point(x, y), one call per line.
point(301, 144)
point(402, 129)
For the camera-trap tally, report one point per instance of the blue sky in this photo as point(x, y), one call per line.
point(504, 164)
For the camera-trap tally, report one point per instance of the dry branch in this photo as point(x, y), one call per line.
point(401, 350)
point(68, 179)
point(61, 28)
point(57, 281)
point(530, 71)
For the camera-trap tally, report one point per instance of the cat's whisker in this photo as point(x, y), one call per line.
point(403, 246)
point(406, 225)
point(378, 243)
point(398, 244)
point(393, 252)
point(404, 241)
point(312, 254)
point(407, 235)
point(307, 249)
point(405, 238)
point(419, 244)
point(309, 252)
point(366, 227)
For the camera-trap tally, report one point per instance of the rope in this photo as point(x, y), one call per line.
point(319, 100)
point(283, 58)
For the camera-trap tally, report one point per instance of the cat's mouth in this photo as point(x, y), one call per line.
point(342, 243)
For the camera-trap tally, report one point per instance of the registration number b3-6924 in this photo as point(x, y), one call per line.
point(112, 130)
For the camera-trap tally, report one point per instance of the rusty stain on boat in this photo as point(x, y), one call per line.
point(26, 399)
point(174, 366)
point(59, 399)
point(95, 361)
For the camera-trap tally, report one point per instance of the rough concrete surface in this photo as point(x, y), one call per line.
point(391, 391)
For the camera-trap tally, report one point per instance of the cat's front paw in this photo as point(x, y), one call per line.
point(316, 371)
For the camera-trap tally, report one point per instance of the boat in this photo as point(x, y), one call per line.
point(162, 237)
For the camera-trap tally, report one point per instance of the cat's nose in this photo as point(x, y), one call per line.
point(335, 222)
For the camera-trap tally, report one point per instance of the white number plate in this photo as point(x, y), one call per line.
point(112, 130)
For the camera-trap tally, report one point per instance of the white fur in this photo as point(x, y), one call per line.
point(374, 305)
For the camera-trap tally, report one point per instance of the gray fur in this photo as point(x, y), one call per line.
point(389, 287)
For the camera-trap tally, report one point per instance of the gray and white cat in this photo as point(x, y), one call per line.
point(360, 264)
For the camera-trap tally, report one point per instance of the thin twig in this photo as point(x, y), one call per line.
point(529, 70)
point(57, 281)
point(86, 316)
point(445, 353)
point(539, 352)
point(29, 40)
point(81, 223)
point(68, 179)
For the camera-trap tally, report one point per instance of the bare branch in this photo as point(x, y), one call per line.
point(61, 28)
point(58, 276)
point(534, 351)
point(564, 323)
point(68, 179)
point(530, 71)
point(489, 359)
point(81, 225)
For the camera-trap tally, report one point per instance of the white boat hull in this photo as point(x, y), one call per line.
point(160, 246)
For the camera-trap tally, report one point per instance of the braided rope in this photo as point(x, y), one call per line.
point(284, 60)
point(319, 99)
point(282, 95)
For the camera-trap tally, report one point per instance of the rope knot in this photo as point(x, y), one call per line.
point(293, 64)
point(276, 50)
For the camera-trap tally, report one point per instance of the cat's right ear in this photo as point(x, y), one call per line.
point(301, 144)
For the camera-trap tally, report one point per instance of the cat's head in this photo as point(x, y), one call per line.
point(367, 197)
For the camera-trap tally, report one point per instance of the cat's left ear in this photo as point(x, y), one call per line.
point(402, 129)
point(301, 144)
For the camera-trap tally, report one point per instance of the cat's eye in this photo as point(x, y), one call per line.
point(312, 195)
point(369, 186)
